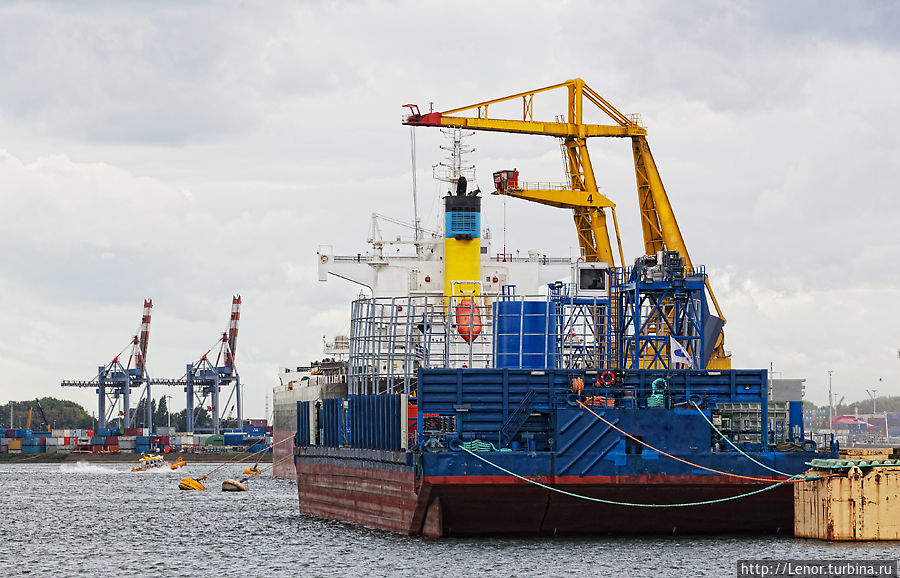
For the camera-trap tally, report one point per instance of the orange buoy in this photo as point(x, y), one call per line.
point(468, 319)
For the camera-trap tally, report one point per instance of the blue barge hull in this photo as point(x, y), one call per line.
point(381, 490)
point(469, 433)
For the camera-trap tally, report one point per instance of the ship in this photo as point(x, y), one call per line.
point(539, 397)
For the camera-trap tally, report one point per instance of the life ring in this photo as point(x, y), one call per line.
point(607, 377)
point(809, 446)
point(323, 258)
point(579, 260)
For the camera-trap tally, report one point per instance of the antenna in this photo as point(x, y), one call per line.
point(412, 143)
point(453, 167)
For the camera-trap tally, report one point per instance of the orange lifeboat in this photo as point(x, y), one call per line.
point(468, 319)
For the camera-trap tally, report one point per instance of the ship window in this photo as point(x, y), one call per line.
point(591, 279)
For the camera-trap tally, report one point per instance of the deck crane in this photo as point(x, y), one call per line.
point(115, 380)
point(204, 379)
point(659, 226)
point(43, 415)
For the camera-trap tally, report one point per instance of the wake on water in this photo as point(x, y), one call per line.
point(83, 467)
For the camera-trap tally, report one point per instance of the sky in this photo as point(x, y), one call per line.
point(191, 151)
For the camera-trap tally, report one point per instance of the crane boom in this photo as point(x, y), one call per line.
point(658, 224)
point(43, 415)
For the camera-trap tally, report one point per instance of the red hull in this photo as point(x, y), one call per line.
point(283, 466)
point(385, 494)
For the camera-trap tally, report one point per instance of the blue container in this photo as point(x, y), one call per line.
point(525, 334)
point(21, 433)
point(142, 441)
point(31, 441)
point(98, 440)
point(33, 449)
point(255, 430)
point(303, 425)
point(41, 434)
point(375, 421)
point(234, 439)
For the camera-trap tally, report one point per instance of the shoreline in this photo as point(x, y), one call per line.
point(205, 457)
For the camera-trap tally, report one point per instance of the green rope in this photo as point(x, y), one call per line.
point(748, 456)
point(482, 446)
point(614, 503)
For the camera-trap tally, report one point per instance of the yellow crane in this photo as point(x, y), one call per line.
point(659, 226)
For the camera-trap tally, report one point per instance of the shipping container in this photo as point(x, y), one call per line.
point(98, 440)
point(31, 441)
point(33, 449)
point(233, 439)
point(215, 440)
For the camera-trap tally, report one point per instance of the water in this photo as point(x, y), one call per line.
point(94, 520)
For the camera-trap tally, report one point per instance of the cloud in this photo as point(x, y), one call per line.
point(189, 152)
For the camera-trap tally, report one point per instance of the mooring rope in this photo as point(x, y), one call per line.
point(247, 457)
point(617, 503)
point(668, 455)
point(732, 444)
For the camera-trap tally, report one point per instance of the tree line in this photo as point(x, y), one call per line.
point(65, 414)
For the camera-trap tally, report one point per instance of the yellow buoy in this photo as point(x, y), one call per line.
point(230, 485)
point(190, 484)
point(251, 471)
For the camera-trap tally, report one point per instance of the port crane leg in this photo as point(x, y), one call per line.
point(101, 407)
point(148, 408)
point(126, 403)
point(215, 405)
point(189, 406)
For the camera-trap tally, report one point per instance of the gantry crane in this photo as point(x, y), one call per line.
point(204, 379)
point(115, 379)
point(659, 226)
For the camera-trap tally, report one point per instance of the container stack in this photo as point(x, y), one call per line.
point(252, 438)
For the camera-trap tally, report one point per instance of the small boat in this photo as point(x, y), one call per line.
point(150, 462)
point(179, 463)
point(252, 470)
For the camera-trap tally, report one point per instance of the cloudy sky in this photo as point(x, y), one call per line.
point(189, 151)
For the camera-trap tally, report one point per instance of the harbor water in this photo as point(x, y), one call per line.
point(99, 519)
